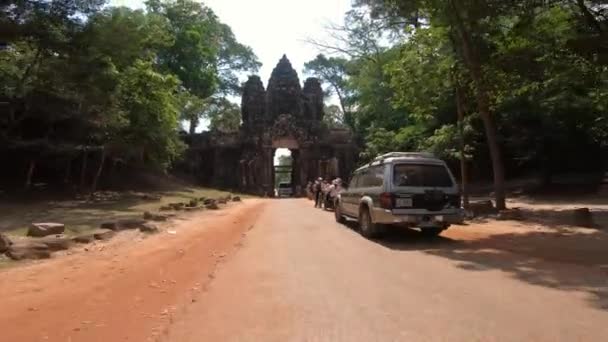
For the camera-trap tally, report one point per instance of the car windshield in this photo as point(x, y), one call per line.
point(284, 185)
point(421, 175)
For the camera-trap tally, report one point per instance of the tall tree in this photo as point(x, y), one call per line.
point(333, 72)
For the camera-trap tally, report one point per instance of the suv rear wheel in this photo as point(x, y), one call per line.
point(367, 228)
point(431, 232)
point(338, 213)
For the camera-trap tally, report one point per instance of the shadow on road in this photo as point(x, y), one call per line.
point(572, 261)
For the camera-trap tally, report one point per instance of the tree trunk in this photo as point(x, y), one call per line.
point(464, 188)
point(83, 170)
point(473, 63)
point(68, 171)
point(30, 173)
point(193, 125)
point(98, 173)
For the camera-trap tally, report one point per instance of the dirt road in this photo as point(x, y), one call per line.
point(302, 277)
point(296, 275)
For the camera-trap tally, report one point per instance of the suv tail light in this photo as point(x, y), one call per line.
point(387, 200)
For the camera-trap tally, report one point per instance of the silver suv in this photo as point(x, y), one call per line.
point(410, 189)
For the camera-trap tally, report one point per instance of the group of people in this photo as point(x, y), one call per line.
point(324, 191)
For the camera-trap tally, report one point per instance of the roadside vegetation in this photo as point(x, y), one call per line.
point(508, 88)
point(90, 92)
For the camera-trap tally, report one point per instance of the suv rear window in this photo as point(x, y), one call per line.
point(284, 185)
point(421, 175)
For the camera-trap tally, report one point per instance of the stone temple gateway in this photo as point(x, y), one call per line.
point(284, 115)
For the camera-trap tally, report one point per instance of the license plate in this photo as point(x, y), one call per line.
point(403, 202)
point(439, 218)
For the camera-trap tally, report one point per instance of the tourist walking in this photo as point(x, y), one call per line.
point(317, 191)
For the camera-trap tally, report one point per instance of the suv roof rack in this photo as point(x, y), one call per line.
point(405, 154)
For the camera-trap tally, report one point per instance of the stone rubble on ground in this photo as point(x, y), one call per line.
point(28, 250)
point(57, 242)
point(155, 216)
point(149, 228)
point(5, 243)
point(45, 228)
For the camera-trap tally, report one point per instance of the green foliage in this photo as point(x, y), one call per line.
point(148, 99)
point(77, 76)
point(224, 116)
point(541, 67)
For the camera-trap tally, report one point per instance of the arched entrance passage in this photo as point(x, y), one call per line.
point(285, 166)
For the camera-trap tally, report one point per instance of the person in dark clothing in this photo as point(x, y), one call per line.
point(318, 193)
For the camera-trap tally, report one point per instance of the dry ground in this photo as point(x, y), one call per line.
point(280, 270)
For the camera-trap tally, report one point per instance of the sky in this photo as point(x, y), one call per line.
point(273, 28)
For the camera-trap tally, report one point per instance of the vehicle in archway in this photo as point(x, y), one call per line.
point(285, 190)
point(409, 189)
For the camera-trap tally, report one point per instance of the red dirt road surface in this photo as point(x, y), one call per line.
point(280, 270)
point(127, 292)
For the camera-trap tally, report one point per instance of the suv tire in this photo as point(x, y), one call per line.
point(431, 232)
point(367, 228)
point(338, 213)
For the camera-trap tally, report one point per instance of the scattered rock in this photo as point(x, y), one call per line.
point(165, 208)
point(236, 199)
point(149, 228)
point(482, 208)
point(57, 242)
point(212, 206)
point(222, 201)
point(510, 214)
point(5, 243)
point(103, 234)
point(28, 250)
point(84, 238)
point(176, 206)
point(45, 229)
point(154, 217)
point(583, 217)
point(109, 225)
point(208, 201)
point(193, 203)
point(130, 223)
point(202, 199)
point(151, 197)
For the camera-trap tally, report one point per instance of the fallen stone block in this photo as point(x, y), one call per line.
point(510, 214)
point(208, 201)
point(103, 234)
point(130, 223)
point(482, 208)
point(84, 238)
point(57, 242)
point(176, 206)
point(154, 217)
point(109, 225)
point(193, 203)
point(582, 217)
point(149, 228)
point(28, 250)
point(222, 201)
point(45, 228)
point(236, 199)
point(5, 243)
point(212, 206)
point(151, 197)
point(165, 208)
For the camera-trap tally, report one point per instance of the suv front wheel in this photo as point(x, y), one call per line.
point(367, 228)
